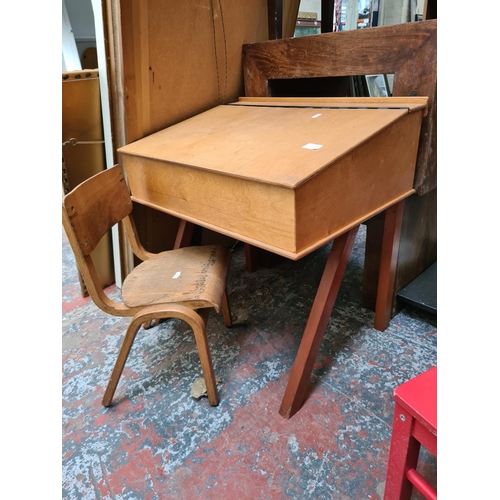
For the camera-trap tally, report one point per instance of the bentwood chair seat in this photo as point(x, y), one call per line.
point(184, 283)
point(179, 276)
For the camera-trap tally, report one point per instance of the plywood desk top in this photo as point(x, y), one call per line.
point(266, 139)
point(286, 175)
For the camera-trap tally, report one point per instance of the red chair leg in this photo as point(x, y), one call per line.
point(403, 455)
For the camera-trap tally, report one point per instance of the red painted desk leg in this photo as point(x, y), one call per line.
point(316, 324)
point(184, 234)
point(388, 263)
point(251, 258)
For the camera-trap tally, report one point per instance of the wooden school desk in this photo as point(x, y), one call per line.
point(289, 175)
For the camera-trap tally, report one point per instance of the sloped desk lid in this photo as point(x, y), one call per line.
point(277, 141)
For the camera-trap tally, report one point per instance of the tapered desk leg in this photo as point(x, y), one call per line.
point(388, 263)
point(316, 324)
point(184, 234)
point(251, 258)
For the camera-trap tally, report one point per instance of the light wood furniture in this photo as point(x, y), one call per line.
point(83, 150)
point(171, 60)
point(309, 66)
point(415, 425)
point(181, 284)
point(288, 176)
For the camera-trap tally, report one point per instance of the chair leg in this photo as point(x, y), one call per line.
point(200, 335)
point(403, 455)
point(197, 320)
point(132, 330)
point(226, 311)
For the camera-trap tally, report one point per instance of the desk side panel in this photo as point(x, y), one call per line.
point(358, 185)
point(238, 208)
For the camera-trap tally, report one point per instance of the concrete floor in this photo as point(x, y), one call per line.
point(158, 442)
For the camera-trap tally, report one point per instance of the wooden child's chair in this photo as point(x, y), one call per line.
point(183, 283)
point(415, 424)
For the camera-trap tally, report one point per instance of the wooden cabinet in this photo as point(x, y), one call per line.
point(83, 148)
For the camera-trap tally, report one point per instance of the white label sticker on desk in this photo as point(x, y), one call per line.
point(176, 275)
point(316, 116)
point(312, 146)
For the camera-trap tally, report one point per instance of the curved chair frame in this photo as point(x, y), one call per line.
point(88, 213)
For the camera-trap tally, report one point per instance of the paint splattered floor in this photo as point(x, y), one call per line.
point(158, 442)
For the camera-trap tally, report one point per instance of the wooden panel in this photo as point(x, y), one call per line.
point(290, 12)
point(409, 51)
point(265, 143)
point(373, 176)
point(409, 103)
point(181, 58)
point(82, 161)
point(82, 121)
point(235, 207)
point(135, 58)
point(367, 51)
point(81, 107)
point(170, 71)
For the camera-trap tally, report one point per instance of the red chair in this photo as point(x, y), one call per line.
point(415, 424)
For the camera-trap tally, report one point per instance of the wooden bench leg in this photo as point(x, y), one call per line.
point(388, 263)
point(316, 324)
